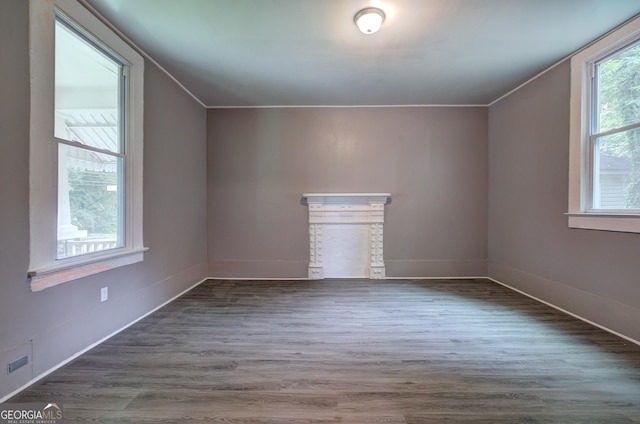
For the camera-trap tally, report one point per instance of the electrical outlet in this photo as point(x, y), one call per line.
point(104, 294)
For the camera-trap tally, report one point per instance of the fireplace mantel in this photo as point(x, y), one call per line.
point(347, 198)
point(339, 221)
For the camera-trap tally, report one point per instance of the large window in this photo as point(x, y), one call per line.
point(86, 132)
point(89, 90)
point(605, 133)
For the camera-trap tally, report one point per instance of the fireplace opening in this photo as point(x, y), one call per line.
point(346, 234)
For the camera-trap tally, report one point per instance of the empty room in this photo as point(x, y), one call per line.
point(320, 211)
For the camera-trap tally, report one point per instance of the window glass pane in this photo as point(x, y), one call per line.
point(87, 92)
point(618, 94)
point(90, 217)
point(616, 174)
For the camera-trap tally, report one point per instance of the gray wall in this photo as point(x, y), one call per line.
point(432, 160)
point(590, 273)
point(67, 318)
point(241, 172)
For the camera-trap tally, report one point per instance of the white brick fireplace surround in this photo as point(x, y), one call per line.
point(346, 234)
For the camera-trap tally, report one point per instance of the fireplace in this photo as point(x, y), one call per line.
point(346, 234)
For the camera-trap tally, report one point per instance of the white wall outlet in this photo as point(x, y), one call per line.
point(104, 294)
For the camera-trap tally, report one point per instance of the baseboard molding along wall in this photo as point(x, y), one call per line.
point(102, 340)
point(628, 314)
point(578, 301)
point(614, 317)
point(269, 270)
point(435, 268)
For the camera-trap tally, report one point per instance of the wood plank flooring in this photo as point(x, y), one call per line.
point(351, 351)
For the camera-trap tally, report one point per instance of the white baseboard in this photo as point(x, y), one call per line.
point(88, 348)
point(591, 308)
point(476, 277)
point(494, 280)
point(260, 279)
point(436, 268)
point(470, 277)
point(595, 324)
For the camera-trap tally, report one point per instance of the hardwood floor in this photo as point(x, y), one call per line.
point(340, 351)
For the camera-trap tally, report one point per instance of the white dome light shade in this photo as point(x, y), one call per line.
point(369, 20)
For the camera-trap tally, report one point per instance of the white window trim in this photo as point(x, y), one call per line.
point(44, 270)
point(579, 215)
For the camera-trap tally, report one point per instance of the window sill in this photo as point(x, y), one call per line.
point(43, 278)
point(626, 223)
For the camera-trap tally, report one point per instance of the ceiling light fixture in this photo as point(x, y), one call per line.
point(369, 20)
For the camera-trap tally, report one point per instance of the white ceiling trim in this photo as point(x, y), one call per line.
point(138, 49)
point(558, 63)
point(200, 102)
point(338, 106)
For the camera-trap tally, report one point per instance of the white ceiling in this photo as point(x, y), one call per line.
point(309, 52)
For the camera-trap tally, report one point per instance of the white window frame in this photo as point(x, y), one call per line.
point(44, 269)
point(580, 213)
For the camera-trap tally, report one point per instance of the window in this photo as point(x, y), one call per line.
point(604, 179)
point(88, 91)
point(85, 146)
